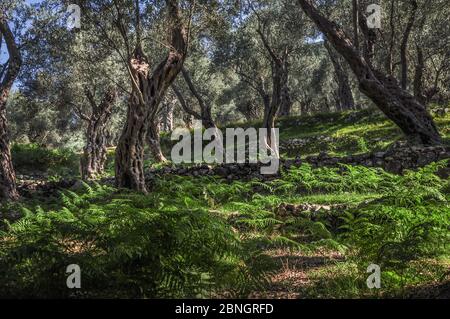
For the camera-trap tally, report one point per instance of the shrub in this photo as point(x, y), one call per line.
point(409, 223)
point(33, 157)
point(126, 246)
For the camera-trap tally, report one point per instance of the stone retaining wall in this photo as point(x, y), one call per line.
point(394, 161)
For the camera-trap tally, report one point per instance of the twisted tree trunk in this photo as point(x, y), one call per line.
point(397, 104)
point(148, 90)
point(94, 153)
point(279, 64)
point(8, 189)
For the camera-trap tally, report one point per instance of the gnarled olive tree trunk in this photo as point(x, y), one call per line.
point(397, 104)
point(148, 91)
point(8, 189)
point(129, 165)
point(94, 153)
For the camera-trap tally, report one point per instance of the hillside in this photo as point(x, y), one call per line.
point(306, 233)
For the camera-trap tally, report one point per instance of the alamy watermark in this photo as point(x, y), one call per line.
point(374, 280)
point(74, 18)
point(241, 146)
point(374, 18)
point(74, 279)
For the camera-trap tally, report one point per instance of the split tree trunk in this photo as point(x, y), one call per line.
point(94, 153)
point(272, 108)
point(279, 63)
point(148, 90)
point(397, 104)
point(8, 189)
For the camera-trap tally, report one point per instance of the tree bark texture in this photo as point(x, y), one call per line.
point(94, 153)
point(8, 190)
point(148, 90)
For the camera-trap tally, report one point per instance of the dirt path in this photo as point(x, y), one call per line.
point(293, 272)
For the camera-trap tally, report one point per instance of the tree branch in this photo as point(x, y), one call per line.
point(15, 59)
point(183, 102)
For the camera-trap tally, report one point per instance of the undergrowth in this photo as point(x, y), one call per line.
point(206, 237)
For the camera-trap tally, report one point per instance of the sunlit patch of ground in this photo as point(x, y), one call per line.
point(293, 273)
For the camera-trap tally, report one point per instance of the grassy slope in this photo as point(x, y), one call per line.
point(351, 132)
point(319, 262)
point(347, 132)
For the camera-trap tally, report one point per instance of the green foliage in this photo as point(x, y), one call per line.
point(204, 236)
point(410, 221)
point(35, 158)
point(347, 178)
point(125, 247)
point(362, 144)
